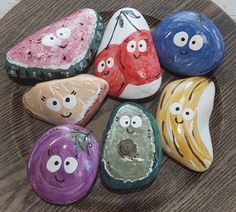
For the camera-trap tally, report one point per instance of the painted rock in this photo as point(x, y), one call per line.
point(131, 152)
point(66, 101)
point(63, 49)
point(184, 40)
point(183, 118)
point(63, 164)
point(127, 58)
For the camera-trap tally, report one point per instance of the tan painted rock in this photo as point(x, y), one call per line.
point(66, 101)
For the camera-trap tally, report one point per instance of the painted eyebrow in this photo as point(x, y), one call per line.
point(63, 25)
point(146, 39)
point(43, 98)
point(140, 115)
point(117, 118)
point(73, 92)
point(191, 94)
point(38, 40)
point(177, 86)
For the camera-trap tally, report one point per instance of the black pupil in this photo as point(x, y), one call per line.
point(193, 42)
point(182, 39)
point(56, 163)
point(67, 163)
point(102, 64)
point(67, 99)
point(126, 122)
point(134, 122)
point(141, 45)
point(132, 46)
point(54, 102)
point(61, 33)
point(109, 61)
point(51, 38)
point(177, 108)
point(187, 113)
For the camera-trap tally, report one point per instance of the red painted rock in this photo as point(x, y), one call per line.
point(108, 68)
point(63, 49)
point(127, 58)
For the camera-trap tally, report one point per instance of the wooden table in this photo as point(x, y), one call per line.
point(175, 188)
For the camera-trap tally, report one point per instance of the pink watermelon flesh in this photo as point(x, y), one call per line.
point(31, 52)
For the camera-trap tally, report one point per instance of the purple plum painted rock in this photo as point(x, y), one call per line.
point(63, 49)
point(63, 164)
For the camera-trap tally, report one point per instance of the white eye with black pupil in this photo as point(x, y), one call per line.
point(180, 39)
point(124, 121)
point(176, 108)
point(54, 163)
point(53, 104)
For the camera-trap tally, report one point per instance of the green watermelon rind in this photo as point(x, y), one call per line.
point(82, 66)
point(119, 184)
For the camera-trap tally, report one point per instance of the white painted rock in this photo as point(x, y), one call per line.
point(127, 58)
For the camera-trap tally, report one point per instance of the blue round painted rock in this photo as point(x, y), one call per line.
point(188, 44)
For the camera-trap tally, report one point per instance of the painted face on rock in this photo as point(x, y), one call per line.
point(139, 61)
point(188, 44)
point(63, 164)
point(107, 67)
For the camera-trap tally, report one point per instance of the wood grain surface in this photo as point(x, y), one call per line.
point(175, 188)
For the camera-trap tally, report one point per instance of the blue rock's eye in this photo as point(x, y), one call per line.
point(196, 42)
point(180, 39)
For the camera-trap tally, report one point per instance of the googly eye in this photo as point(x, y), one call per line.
point(101, 66)
point(53, 104)
point(187, 114)
point(124, 121)
point(110, 62)
point(70, 165)
point(176, 108)
point(49, 40)
point(136, 122)
point(131, 46)
point(180, 39)
point(63, 33)
point(70, 101)
point(196, 42)
point(54, 163)
point(142, 46)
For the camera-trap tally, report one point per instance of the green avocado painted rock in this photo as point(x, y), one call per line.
point(131, 152)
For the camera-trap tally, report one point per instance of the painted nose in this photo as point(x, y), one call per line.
point(127, 148)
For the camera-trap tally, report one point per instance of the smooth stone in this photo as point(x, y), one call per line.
point(127, 58)
point(183, 116)
point(131, 151)
point(188, 43)
point(63, 49)
point(66, 101)
point(63, 164)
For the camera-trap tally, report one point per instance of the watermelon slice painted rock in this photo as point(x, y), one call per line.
point(63, 49)
point(66, 101)
point(63, 164)
point(131, 152)
point(127, 58)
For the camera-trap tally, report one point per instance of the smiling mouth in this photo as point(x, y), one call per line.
point(136, 57)
point(66, 116)
point(130, 132)
point(106, 73)
point(63, 46)
point(59, 180)
point(183, 52)
point(178, 122)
